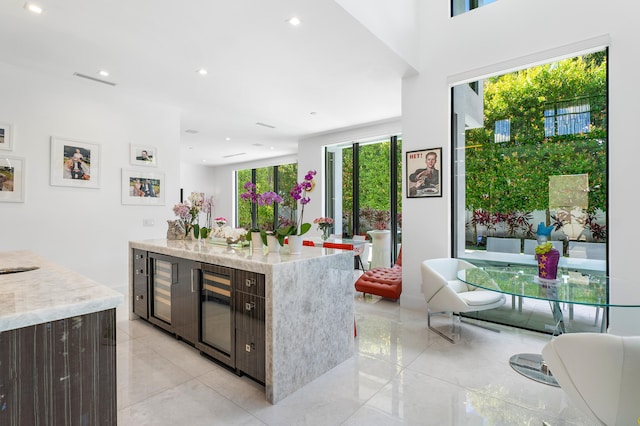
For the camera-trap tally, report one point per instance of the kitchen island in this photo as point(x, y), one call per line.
point(291, 317)
point(57, 344)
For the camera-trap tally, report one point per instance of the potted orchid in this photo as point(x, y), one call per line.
point(296, 226)
point(189, 214)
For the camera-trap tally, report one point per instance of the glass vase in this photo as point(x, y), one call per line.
point(326, 232)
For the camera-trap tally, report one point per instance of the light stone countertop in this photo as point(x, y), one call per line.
point(49, 293)
point(260, 261)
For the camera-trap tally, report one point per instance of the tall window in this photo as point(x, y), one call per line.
point(363, 187)
point(549, 166)
point(279, 179)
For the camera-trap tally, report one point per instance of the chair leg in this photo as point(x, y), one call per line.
point(435, 330)
point(450, 339)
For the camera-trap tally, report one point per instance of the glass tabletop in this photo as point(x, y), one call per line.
point(522, 280)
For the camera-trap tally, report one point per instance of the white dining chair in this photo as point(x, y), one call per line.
point(444, 292)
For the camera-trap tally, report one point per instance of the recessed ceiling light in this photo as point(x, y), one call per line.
point(227, 139)
point(33, 8)
point(202, 71)
point(104, 73)
point(294, 21)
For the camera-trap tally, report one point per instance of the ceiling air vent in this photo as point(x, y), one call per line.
point(193, 132)
point(234, 155)
point(265, 125)
point(88, 77)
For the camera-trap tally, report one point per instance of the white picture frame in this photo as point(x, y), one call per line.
point(75, 163)
point(142, 155)
point(12, 174)
point(6, 137)
point(142, 187)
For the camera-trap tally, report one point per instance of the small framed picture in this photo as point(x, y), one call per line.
point(75, 163)
point(6, 140)
point(142, 187)
point(143, 156)
point(11, 179)
point(424, 176)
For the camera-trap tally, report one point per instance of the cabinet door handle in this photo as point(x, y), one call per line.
point(191, 280)
point(250, 282)
point(249, 306)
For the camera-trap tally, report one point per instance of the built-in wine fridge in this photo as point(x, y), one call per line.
point(217, 337)
point(164, 273)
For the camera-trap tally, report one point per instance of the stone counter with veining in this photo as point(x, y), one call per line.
point(48, 293)
point(309, 312)
point(57, 344)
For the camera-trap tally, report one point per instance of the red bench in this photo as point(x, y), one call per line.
point(384, 282)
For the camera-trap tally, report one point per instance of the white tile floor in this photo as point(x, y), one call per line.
point(401, 373)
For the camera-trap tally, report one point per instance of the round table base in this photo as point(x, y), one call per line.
point(533, 367)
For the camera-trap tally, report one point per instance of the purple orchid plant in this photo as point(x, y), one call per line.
point(299, 193)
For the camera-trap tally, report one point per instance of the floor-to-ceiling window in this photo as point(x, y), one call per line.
point(363, 188)
point(531, 147)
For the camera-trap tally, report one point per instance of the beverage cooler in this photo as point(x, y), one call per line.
point(216, 313)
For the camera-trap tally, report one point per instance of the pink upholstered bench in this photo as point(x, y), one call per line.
point(384, 282)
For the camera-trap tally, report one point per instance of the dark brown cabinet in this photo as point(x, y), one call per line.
point(250, 324)
point(184, 302)
point(140, 284)
point(219, 310)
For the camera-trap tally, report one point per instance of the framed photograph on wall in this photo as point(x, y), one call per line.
point(140, 187)
point(11, 179)
point(424, 175)
point(142, 155)
point(6, 139)
point(75, 163)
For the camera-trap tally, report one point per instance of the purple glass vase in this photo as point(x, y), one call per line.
point(548, 264)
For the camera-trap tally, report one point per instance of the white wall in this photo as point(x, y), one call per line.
point(197, 179)
point(508, 34)
point(86, 230)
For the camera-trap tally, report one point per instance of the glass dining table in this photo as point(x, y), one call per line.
point(571, 287)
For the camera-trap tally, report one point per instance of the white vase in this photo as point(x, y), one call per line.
point(380, 248)
point(295, 244)
point(256, 241)
point(273, 244)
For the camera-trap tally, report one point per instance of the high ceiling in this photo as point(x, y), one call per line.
point(327, 73)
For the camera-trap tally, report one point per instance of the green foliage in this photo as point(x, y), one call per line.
point(287, 175)
point(514, 176)
point(375, 178)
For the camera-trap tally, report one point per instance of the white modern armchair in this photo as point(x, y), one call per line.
point(600, 373)
point(444, 292)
